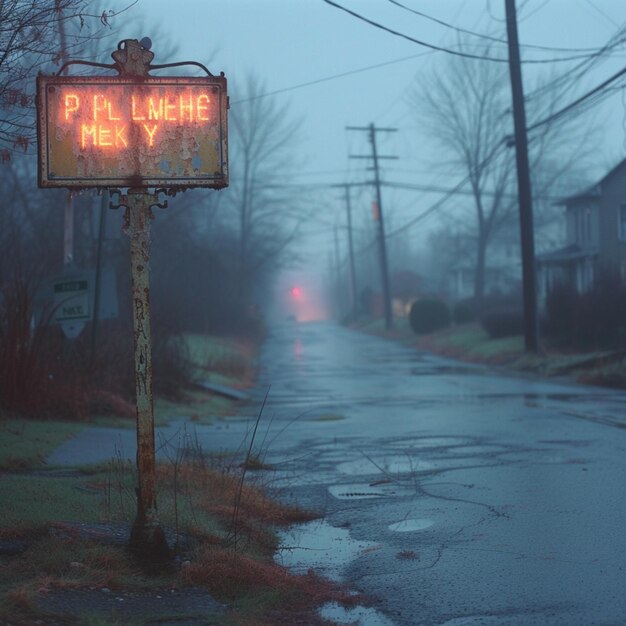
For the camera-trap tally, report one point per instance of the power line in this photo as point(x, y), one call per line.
point(333, 77)
point(485, 36)
point(578, 101)
point(454, 190)
point(504, 142)
point(579, 70)
point(601, 12)
point(592, 58)
point(467, 55)
point(412, 39)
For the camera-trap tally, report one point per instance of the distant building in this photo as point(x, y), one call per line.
point(501, 276)
point(595, 236)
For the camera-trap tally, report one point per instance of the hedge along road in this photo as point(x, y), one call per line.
point(451, 493)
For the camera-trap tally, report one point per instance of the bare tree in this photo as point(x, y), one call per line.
point(37, 35)
point(262, 148)
point(465, 106)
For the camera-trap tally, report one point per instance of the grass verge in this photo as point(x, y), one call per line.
point(64, 532)
point(24, 444)
point(470, 342)
point(67, 531)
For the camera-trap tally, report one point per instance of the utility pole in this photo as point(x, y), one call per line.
point(353, 294)
point(337, 273)
point(523, 183)
point(372, 130)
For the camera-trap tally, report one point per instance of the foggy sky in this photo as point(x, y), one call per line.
point(289, 42)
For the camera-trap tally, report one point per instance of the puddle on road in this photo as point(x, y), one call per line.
point(362, 491)
point(318, 545)
point(384, 465)
point(411, 525)
point(359, 615)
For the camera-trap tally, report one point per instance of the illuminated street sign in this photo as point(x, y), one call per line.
point(132, 131)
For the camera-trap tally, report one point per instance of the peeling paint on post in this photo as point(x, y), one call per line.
point(147, 537)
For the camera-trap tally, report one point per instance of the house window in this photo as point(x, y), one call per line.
point(583, 225)
point(622, 222)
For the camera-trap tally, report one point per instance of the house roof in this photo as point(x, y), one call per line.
point(595, 190)
point(572, 252)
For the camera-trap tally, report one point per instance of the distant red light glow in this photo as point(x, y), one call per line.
point(296, 292)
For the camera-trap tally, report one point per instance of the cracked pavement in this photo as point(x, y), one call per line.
point(451, 493)
point(480, 497)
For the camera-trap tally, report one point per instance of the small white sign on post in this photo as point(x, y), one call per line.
point(71, 304)
point(71, 299)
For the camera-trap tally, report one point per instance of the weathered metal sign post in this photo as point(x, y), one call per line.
point(140, 133)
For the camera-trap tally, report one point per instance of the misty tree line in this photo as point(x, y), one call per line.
point(212, 251)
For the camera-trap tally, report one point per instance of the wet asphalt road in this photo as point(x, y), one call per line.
point(469, 496)
point(452, 494)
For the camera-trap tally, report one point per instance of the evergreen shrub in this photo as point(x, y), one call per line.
point(429, 315)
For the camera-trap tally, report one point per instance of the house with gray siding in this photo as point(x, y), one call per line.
point(595, 236)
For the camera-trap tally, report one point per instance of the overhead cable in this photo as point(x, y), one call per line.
point(576, 102)
point(467, 55)
point(333, 77)
point(485, 36)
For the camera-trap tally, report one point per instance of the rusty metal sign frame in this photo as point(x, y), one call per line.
point(217, 179)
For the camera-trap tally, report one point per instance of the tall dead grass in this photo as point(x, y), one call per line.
point(45, 375)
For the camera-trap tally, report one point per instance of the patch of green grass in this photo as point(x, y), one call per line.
point(506, 345)
point(39, 500)
point(220, 359)
point(465, 337)
point(24, 444)
point(194, 498)
point(471, 340)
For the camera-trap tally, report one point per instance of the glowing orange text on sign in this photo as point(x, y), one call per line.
point(104, 121)
point(118, 131)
